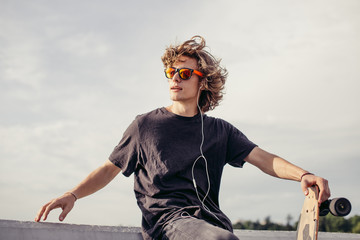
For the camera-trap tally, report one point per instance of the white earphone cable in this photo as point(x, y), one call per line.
point(206, 164)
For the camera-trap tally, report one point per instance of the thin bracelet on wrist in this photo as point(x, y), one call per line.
point(73, 194)
point(307, 173)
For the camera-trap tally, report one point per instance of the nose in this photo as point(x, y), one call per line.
point(176, 77)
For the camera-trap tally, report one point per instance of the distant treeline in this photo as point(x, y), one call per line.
point(329, 223)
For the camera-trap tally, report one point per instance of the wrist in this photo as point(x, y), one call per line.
point(74, 195)
point(304, 174)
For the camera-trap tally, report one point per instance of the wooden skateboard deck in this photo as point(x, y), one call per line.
point(309, 218)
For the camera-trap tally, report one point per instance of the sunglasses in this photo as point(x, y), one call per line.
point(184, 73)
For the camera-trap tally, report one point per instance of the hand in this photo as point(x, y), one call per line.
point(310, 180)
point(65, 202)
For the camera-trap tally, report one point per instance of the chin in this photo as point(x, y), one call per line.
point(174, 97)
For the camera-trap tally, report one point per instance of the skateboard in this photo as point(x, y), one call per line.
point(308, 225)
point(309, 217)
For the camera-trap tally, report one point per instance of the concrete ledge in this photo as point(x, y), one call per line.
point(17, 230)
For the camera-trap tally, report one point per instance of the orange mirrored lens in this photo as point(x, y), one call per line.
point(185, 73)
point(170, 72)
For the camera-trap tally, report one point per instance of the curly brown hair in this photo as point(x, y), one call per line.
point(214, 76)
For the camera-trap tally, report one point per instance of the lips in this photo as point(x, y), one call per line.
point(175, 88)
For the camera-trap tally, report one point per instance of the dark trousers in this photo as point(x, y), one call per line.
point(190, 228)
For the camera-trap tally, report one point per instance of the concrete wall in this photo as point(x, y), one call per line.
point(17, 230)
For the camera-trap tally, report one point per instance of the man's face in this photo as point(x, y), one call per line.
point(185, 91)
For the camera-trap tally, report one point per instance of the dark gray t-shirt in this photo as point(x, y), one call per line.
point(160, 148)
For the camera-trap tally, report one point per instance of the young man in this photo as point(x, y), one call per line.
point(177, 155)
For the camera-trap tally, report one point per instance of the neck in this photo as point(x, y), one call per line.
point(183, 110)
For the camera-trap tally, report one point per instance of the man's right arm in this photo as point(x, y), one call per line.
point(95, 181)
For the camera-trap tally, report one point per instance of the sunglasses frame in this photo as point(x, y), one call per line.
point(177, 70)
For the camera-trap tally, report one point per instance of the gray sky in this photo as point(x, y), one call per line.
point(74, 74)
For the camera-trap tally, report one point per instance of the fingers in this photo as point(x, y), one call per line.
point(324, 190)
point(304, 188)
point(41, 212)
point(65, 212)
point(53, 205)
point(66, 203)
point(310, 180)
point(44, 211)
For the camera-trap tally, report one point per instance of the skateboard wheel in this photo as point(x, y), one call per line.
point(324, 212)
point(340, 207)
point(324, 208)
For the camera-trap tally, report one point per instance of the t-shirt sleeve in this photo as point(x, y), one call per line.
point(239, 146)
point(126, 154)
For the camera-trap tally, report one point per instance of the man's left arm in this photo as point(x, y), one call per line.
point(279, 167)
